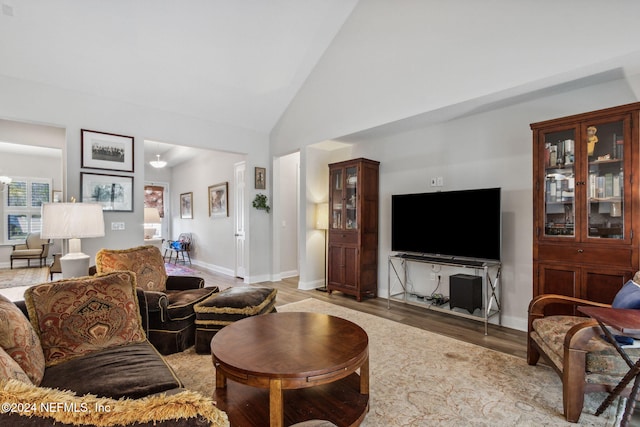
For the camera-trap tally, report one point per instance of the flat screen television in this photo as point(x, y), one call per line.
point(465, 223)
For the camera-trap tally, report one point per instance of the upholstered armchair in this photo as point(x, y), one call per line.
point(170, 299)
point(33, 248)
point(573, 346)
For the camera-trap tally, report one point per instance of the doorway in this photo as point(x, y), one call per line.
point(240, 169)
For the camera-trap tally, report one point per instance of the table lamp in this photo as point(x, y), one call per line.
point(322, 223)
point(73, 221)
point(151, 216)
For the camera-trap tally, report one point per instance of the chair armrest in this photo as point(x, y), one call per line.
point(538, 304)
point(20, 246)
point(579, 335)
point(45, 248)
point(156, 301)
point(181, 283)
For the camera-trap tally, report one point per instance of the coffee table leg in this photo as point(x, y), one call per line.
point(364, 377)
point(221, 379)
point(276, 412)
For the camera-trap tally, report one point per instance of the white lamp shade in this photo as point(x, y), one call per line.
point(72, 220)
point(322, 216)
point(151, 216)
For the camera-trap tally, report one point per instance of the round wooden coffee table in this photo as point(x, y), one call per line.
point(292, 367)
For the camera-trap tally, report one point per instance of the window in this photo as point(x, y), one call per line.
point(22, 204)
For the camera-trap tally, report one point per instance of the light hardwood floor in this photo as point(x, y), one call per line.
point(502, 339)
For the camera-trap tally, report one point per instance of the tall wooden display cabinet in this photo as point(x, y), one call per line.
point(353, 228)
point(586, 203)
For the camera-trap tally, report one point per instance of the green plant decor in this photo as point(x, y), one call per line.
point(260, 202)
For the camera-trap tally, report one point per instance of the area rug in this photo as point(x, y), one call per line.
point(179, 270)
point(418, 378)
point(23, 276)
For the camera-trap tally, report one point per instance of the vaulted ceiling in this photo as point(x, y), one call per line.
point(236, 62)
point(241, 63)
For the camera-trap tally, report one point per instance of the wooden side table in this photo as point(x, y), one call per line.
point(55, 266)
point(628, 323)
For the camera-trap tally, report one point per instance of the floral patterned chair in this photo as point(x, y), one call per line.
point(574, 347)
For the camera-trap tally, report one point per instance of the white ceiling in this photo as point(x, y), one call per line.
point(236, 62)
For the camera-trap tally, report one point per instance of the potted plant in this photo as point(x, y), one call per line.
point(260, 202)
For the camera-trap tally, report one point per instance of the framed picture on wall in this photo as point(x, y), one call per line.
point(218, 203)
point(186, 205)
point(113, 192)
point(261, 178)
point(107, 151)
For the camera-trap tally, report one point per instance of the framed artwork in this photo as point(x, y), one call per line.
point(113, 192)
point(261, 178)
point(106, 151)
point(57, 196)
point(186, 205)
point(218, 203)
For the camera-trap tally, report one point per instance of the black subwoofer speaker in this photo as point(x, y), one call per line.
point(465, 291)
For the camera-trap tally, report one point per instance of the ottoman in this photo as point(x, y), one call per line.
point(228, 306)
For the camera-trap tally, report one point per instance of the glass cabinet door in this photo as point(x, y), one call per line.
point(344, 198)
point(337, 191)
point(559, 183)
point(605, 182)
point(351, 198)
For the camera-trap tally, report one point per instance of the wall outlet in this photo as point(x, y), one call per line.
point(117, 225)
point(433, 276)
point(434, 182)
point(439, 181)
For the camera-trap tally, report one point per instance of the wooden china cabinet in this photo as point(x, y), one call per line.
point(353, 228)
point(586, 203)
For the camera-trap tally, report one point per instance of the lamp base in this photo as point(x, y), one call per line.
point(75, 264)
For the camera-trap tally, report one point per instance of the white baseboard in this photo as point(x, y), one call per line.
point(313, 284)
point(287, 274)
point(214, 268)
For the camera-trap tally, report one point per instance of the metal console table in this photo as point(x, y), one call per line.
point(488, 270)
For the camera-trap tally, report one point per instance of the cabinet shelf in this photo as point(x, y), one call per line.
point(605, 162)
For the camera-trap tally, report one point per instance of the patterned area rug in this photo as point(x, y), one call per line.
point(179, 270)
point(23, 276)
point(418, 378)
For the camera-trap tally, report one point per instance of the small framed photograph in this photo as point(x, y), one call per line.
point(57, 196)
point(261, 178)
point(218, 203)
point(106, 151)
point(113, 192)
point(186, 205)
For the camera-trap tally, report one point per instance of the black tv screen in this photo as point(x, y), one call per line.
point(464, 223)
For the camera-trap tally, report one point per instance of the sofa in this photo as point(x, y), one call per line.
point(80, 357)
point(170, 299)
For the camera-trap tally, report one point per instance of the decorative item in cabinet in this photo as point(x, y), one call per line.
point(353, 232)
point(584, 204)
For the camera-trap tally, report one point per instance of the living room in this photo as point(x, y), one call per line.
point(394, 84)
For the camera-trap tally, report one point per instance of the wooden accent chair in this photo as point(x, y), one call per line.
point(573, 346)
point(33, 248)
point(180, 248)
